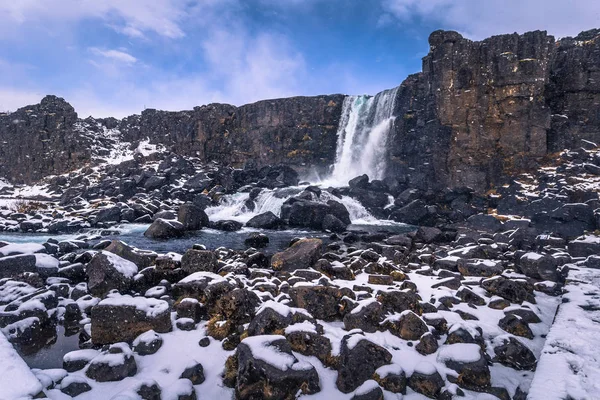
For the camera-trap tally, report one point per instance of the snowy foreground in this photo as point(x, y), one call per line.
point(371, 325)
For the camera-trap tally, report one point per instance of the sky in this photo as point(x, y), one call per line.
point(118, 57)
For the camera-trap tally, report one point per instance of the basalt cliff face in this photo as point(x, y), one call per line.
point(478, 112)
point(481, 111)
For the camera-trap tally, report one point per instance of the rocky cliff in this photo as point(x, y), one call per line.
point(478, 112)
point(481, 111)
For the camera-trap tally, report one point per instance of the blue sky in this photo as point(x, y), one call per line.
point(116, 57)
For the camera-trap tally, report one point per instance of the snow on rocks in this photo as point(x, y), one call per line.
point(123, 317)
point(107, 271)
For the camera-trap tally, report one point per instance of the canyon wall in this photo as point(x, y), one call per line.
point(478, 112)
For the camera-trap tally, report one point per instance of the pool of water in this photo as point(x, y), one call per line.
point(133, 234)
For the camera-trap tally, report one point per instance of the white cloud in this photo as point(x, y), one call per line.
point(116, 55)
point(131, 17)
point(253, 68)
point(479, 19)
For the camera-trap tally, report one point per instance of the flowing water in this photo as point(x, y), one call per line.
point(363, 134)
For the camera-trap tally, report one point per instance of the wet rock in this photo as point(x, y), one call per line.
point(333, 224)
point(359, 359)
point(123, 318)
point(107, 271)
point(164, 229)
point(302, 254)
point(307, 214)
point(257, 240)
point(192, 217)
point(266, 220)
point(511, 352)
point(226, 225)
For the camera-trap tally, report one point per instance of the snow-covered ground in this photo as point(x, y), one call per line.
point(569, 366)
point(17, 380)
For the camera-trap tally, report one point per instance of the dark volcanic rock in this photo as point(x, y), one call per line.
point(123, 318)
point(256, 378)
point(107, 271)
point(165, 229)
point(359, 359)
point(302, 254)
point(267, 220)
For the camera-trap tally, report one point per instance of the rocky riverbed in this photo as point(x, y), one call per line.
point(458, 303)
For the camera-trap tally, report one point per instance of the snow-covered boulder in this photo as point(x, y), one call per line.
point(107, 271)
point(121, 318)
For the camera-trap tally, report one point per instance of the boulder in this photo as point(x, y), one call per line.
point(107, 271)
point(192, 217)
point(469, 362)
point(321, 302)
point(407, 325)
point(265, 367)
point(308, 214)
point(14, 265)
point(141, 258)
point(122, 318)
point(512, 353)
point(257, 240)
point(198, 260)
point(333, 224)
point(266, 220)
point(359, 359)
point(164, 229)
point(539, 266)
point(302, 254)
point(426, 380)
point(114, 365)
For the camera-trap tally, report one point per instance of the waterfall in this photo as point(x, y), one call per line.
point(363, 132)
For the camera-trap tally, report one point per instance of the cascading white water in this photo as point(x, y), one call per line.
point(365, 125)
point(233, 206)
